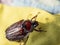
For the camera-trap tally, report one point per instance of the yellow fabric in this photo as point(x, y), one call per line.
point(10, 15)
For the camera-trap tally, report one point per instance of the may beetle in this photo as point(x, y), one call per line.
point(20, 29)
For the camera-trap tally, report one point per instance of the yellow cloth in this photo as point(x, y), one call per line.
point(10, 15)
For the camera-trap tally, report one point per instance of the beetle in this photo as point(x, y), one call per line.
point(21, 29)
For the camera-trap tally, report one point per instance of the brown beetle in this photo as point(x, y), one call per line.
point(20, 29)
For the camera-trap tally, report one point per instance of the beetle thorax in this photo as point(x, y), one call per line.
point(27, 25)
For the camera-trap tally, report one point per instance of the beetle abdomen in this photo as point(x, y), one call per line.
point(15, 31)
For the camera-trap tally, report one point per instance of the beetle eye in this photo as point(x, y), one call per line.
point(35, 23)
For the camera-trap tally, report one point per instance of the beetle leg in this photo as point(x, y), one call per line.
point(34, 18)
point(40, 30)
point(23, 41)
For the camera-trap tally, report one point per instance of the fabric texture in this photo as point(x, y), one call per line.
point(52, 6)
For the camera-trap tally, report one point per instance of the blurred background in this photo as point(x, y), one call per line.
point(52, 6)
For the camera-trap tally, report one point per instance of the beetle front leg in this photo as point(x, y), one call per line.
point(40, 30)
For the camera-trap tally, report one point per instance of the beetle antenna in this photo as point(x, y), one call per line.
point(34, 18)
